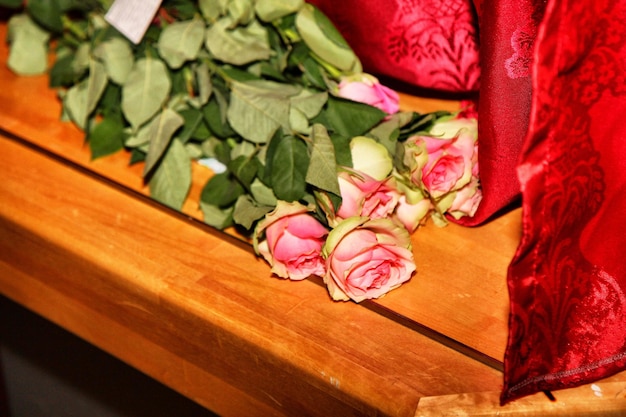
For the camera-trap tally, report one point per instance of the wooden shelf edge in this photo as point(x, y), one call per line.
point(605, 398)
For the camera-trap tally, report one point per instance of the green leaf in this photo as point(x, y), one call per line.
point(349, 118)
point(241, 12)
point(28, 54)
point(244, 169)
point(107, 137)
point(244, 148)
point(241, 75)
point(81, 99)
point(139, 139)
point(203, 80)
point(62, 72)
point(304, 107)
point(215, 117)
point(182, 9)
point(212, 9)
point(247, 211)
point(161, 131)
point(324, 40)
point(289, 168)
point(194, 150)
point(222, 190)
point(181, 41)
point(388, 131)
point(82, 57)
point(341, 144)
point(322, 172)
point(217, 217)
point(269, 10)
point(180, 82)
point(96, 85)
point(117, 55)
point(258, 108)
point(145, 90)
point(109, 104)
point(136, 155)
point(298, 121)
point(313, 73)
point(238, 46)
point(47, 13)
point(262, 193)
point(12, 4)
point(193, 120)
point(171, 181)
point(310, 103)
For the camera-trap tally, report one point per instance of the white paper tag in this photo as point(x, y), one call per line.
point(132, 17)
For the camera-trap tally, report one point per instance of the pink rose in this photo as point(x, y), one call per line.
point(362, 195)
point(365, 88)
point(444, 165)
point(450, 163)
point(451, 156)
point(466, 200)
point(367, 258)
point(292, 241)
point(411, 215)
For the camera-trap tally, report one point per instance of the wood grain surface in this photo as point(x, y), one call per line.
point(129, 276)
point(441, 297)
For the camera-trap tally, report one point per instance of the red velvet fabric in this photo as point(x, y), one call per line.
point(568, 279)
point(552, 92)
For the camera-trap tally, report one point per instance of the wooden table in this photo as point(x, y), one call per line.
point(82, 245)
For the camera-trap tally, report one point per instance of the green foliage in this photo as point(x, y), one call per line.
point(258, 108)
point(146, 89)
point(181, 42)
point(82, 98)
point(28, 54)
point(117, 55)
point(222, 191)
point(249, 83)
point(170, 184)
point(160, 131)
point(349, 118)
point(106, 137)
point(289, 168)
point(11, 4)
point(324, 40)
point(322, 171)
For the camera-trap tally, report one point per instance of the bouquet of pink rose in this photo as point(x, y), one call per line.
point(362, 246)
point(312, 157)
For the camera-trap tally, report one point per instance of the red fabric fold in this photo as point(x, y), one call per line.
point(568, 279)
point(507, 34)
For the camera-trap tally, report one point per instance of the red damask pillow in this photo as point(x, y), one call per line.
point(431, 44)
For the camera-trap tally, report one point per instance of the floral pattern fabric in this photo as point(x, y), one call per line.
point(432, 44)
point(568, 280)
